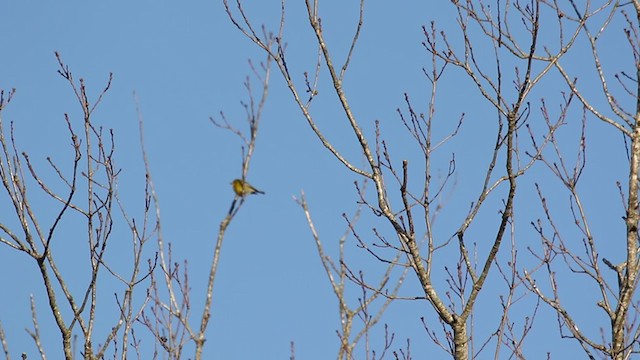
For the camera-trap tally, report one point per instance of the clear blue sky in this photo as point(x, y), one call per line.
point(186, 62)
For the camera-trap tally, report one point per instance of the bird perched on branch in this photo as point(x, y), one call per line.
point(242, 188)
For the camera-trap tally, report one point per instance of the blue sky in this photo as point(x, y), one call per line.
point(186, 62)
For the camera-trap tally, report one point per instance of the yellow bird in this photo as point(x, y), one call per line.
point(243, 188)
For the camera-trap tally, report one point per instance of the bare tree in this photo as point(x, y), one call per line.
point(560, 251)
point(503, 52)
point(169, 317)
point(87, 194)
point(519, 58)
point(366, 312)
point(165, 308)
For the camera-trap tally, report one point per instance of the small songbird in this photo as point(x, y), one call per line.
point(243, 188)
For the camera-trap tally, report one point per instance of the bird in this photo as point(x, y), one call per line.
point(242, 188)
